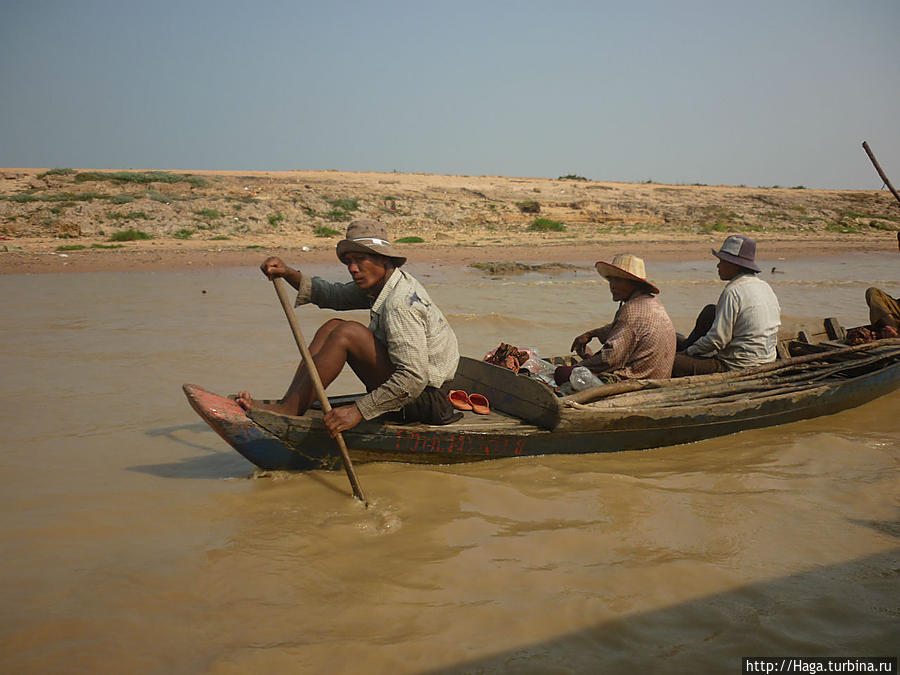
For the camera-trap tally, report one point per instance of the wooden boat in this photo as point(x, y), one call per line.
point(817, 375)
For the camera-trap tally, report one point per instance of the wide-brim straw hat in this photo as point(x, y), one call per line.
point(739, 250)
point(368, 236)
point(626, 266)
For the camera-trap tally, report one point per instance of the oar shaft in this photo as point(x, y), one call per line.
point(282, 292)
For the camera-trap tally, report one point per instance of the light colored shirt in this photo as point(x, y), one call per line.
point(639, 343)
point(745, 330)
point(420, 342)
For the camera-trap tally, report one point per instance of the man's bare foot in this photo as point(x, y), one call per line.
point(246, 401)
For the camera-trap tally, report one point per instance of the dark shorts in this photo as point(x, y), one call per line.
point(431, 407)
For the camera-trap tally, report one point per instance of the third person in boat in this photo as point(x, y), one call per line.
point(640, 341)
point(741, 329)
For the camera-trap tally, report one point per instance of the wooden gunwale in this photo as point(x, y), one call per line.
point(808, 374)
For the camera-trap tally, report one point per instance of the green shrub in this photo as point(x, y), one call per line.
point(345, 204)
point(71, 247)
point(338, 214)
point(323, 231)
point(209, 214)
point(131, 215)
point(139, 177)
point(57, 172)
point(546, 225)
point(275, 219)
point(529, 206)
point(106, 245)
point(410, 240)
point(184, 233)
point(128, 235)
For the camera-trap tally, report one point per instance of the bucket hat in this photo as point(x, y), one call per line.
point(626, 266)
point(368, 236)
point(739, 250)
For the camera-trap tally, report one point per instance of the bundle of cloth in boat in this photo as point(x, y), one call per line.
point(507, 356)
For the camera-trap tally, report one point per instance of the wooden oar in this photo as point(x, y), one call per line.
point(282, 292)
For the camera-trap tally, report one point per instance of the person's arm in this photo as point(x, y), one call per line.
point(579, 344)
point(722, 328)
point(408, 350)
point(274, 267)
point(618, 346)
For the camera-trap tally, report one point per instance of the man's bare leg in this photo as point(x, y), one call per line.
point(337, 342)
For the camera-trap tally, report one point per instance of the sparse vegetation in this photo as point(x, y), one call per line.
point(275, 219)
point(71, 247)
point(505, 268)
point(208, 214)
point(546, 225)
point(572, 176)
point(529, 206)
point(128, 235)
point(106, 246)
point(139, 177)
point(323, 231)
point(410, 240)
point(184, 233)
point(131, 215)
point(57, 172)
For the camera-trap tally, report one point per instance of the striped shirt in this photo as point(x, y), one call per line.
point(420, 342)
point(745, 330)
point(639, 343)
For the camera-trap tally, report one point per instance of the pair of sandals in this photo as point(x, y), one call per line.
point(477, 403)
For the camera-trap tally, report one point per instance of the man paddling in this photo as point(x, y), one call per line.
point(406, 355)
point(640, 341)
point(741, 330)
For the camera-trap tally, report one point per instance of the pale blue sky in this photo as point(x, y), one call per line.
point(755, 93)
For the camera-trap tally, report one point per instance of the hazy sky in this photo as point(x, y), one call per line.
point(755, 93)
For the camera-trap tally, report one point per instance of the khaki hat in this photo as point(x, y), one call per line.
point(368, 236)
point(626, 266)
point(739, 250)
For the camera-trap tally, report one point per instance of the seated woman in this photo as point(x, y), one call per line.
point(640, 341)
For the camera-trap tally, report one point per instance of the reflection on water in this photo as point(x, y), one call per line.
point(135, 539)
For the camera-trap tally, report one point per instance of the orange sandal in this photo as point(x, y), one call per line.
point(480, 405)
point(459, 399)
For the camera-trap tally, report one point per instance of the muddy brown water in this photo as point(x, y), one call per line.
point(134, 540)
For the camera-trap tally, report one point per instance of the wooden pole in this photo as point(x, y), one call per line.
point(606, 390)
point(281, 290)
point(880, 172)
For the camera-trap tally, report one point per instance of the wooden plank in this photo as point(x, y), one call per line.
point(517, 395)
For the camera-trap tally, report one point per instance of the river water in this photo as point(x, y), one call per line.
point(135, 540)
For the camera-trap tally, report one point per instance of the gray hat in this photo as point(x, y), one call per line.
point(368, 236)
point(739, 250)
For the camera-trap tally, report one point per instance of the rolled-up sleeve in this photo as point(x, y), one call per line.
point(616, 350)
point(405, 334)
point(329, 295)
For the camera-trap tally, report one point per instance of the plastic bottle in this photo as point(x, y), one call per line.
point(581, 378)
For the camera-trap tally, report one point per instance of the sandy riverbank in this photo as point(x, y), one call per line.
point(35, 256)
point(65, 220)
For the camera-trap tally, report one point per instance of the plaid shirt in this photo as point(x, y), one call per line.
point(639, 343)
point(420, 343)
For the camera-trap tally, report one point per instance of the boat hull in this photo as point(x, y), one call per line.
point(272, 441)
